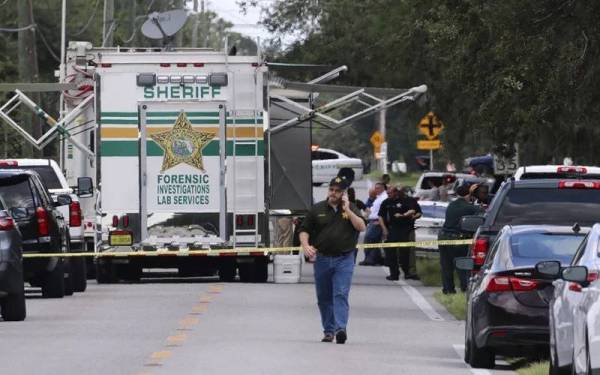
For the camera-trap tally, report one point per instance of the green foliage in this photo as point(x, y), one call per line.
point(538, 368)
point(499, 72)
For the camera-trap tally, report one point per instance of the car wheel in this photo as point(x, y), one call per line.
point(480, 357)
point(78, 274)
point(227, 268)
point(54, 282)
point(13, 307)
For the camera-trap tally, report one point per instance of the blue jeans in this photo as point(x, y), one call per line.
point(333, 277)
point(373, 234)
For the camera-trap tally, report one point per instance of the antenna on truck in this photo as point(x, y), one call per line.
point(164, 25)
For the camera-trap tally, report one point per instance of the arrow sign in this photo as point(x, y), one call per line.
point(430, 126)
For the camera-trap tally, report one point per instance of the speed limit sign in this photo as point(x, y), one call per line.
point(504, 165)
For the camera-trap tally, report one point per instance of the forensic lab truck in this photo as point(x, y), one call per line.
point(179, 158)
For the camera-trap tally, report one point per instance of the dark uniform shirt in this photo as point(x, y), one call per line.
point(331, 231)
point(455, 211)
point(398, 226)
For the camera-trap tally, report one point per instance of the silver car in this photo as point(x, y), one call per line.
point(575, 313)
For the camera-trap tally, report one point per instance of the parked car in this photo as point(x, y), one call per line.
point(544, 201)
point(43, 230)
point(424, 182)
point(326, 164)
point(428, 226)
point(56, 183)
point(12, 291)
point(507, 306)
point(575, 311)
point(557, 171)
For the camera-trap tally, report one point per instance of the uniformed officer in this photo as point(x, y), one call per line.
point(329, 234)
point(396, 216)
point(458, 208)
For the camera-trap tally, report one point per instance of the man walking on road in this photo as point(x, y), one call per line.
point(373, 235)
point(329, 234)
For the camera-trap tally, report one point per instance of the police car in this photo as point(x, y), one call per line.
point(326, 164)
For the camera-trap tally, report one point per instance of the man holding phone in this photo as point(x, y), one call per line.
point(328, 236)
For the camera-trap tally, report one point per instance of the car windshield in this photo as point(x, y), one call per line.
point(434, 211)
point(46, 172)
point(529, 248)
point(17, 194)
point(550, 206)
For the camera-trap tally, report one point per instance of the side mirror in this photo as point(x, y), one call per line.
point(85, 187)
point(471, 223)
point(578, 274)
point(464, 263)
point(548, 269)
point(63, 200)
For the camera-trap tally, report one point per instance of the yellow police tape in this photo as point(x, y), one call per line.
point(238, 250)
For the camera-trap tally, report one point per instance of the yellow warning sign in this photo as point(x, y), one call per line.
point(377, 139)
point(429, 145)
point(430, 126)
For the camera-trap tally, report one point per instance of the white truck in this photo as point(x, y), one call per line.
point(180, 157)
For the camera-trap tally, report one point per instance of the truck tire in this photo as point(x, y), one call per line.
point(131, 272)
point(105, 272)
point(78, 274)
point(227, 268)
point(255, 272)
point(54, 282)
point(90, 267)
point(13, 307)
point(69, 285)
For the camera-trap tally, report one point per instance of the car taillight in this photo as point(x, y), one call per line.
point(578, 185)
point(239, 220)
point(250, 220)
point(42, 220)
point(7, 223)
point(115, 221)
point(576, 287)
point(580, 170)
point(479, 251)
point(75, 214)
point(498, 284)
point(125, 221)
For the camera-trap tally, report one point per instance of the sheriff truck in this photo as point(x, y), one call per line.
point(179, 158)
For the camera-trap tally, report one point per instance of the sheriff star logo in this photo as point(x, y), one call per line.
point(182, 144)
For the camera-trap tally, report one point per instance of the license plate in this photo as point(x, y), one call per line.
point(120, 239)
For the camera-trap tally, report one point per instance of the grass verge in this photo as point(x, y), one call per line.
point(429, 271)
point(537, 368)
point(456, 304)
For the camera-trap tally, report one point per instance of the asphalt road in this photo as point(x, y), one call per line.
point(180, 327)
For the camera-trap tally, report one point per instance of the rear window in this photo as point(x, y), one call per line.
point(529, 248)
point(556, 175)
point(17, 195)
point(437, 180)
point(550, 206)
point(438, 212)
point(46, 172)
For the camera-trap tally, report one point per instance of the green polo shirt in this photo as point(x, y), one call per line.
point(456, 210)
point(331, 231)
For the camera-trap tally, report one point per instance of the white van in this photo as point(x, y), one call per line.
point(326, 164)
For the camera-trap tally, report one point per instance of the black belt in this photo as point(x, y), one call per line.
point(339, 255)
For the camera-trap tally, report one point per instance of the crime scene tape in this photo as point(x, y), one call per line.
point(252, 251)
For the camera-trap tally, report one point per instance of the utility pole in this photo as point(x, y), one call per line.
point(132, 17)
point(28, 64)
point(108, 23)
point(383, 158)
point(196, 24)
point(179, 35)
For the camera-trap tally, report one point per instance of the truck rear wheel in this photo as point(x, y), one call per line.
point(54, 282)
point(255, 272)
point(130, 272)
point(13, 307)
point(78, 274)
point(105, 272)
point(227, 268)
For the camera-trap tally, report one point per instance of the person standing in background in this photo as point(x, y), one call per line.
point(373, 257)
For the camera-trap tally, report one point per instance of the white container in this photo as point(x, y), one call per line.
point(286, 269)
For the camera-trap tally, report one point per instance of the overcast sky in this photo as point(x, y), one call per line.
point(244, 24)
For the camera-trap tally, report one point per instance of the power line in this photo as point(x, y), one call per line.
point(16, 30)
point(89, 21)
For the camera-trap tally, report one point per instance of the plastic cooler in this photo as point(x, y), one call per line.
point(286, 269)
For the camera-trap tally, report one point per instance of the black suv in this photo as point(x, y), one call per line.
point(42, 228)
point(544, 201)
point(12, 292)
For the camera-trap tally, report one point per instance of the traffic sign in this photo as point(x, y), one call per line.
point(431, 126)
point(377, 139)
point(435, 144)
